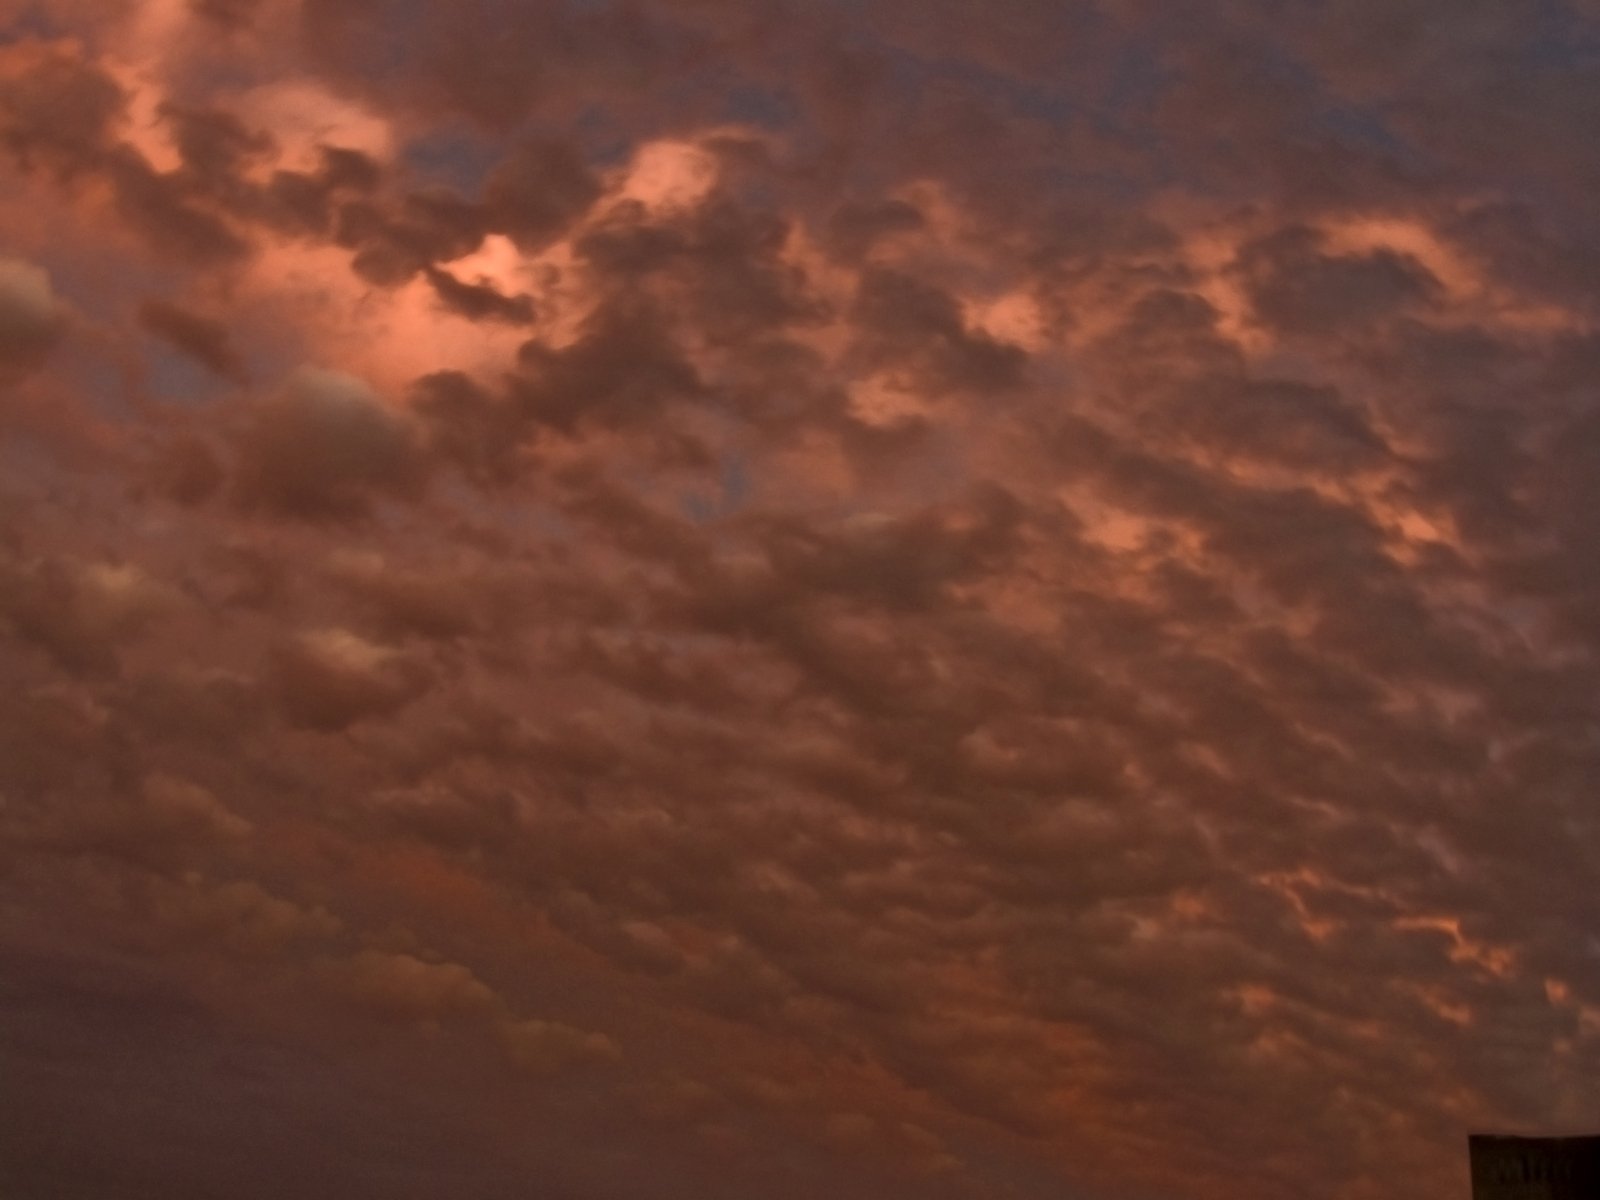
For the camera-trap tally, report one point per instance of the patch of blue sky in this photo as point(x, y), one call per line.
point(735, 481)
point(1560, 37)
point(1360, 127)
point(730, 494)
point(173, 378)
point(606, 140)
point(455, 155)
point(1367, 129)
point(1020, 97)
point(33, 22)
point(698, 507)
point(767, 108)
point(1137, 78)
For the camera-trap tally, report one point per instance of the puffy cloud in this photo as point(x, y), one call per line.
point(479, 301)
point(59, 111)
point(324, 448)
point(30, 318)
point(537, 191)
point(81, 613)
point(1298, 288)
point(401, 987)
point(544, 1047)
point(240, 916)
point(328, 678)
point(183, 802)
point(903, 321)
point(624, 368)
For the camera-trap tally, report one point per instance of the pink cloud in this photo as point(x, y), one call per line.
point(840, 600)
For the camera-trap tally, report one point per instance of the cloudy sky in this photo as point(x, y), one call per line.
point(654, 599)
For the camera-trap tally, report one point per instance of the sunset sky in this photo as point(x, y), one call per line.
point(796, 599)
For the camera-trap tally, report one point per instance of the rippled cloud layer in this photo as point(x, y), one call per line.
point(708, 598)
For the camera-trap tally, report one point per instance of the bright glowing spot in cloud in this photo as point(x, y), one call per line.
point(884, 402)
point(157, 26)
point(1469, 288)
point(1010, 317)
point(27, 301)
point(669, 175)
point(303, 116)
point(497, 263)
point(143, 126)
point(390, 336)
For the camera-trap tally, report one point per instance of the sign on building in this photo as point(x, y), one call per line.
point(1522, 1168)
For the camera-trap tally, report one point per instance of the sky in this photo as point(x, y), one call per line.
point(655, 599)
